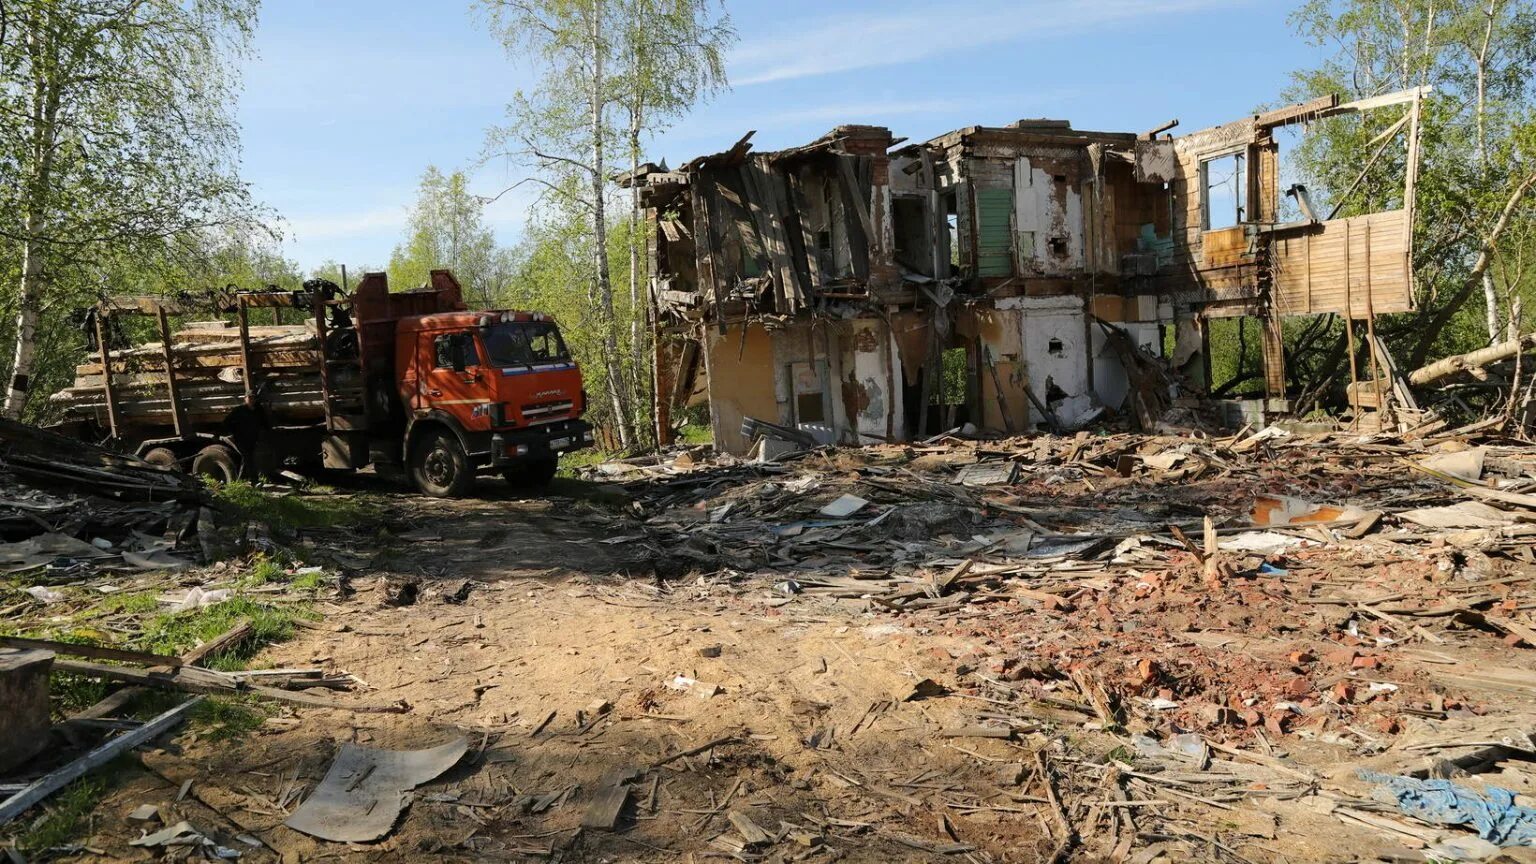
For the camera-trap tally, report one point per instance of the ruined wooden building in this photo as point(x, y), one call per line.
point(1013, 277)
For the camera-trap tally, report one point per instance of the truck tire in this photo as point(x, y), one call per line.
point(164, 457)
point(216, 462)
point(533, 473)
point(439, 467)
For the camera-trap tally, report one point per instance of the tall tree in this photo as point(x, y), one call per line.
point(673, 57)
point(1478, 181)
point(447, 229)
point(116, 126)
point(563, 126)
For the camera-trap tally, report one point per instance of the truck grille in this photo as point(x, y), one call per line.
point(545, 412)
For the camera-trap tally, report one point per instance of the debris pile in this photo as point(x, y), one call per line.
point(1218, 605)
point(68, 506)
point(1268, 581)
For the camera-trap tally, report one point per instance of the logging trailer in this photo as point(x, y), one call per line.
point(410, 382)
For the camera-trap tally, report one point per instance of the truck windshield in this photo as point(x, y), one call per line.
point(524, 343)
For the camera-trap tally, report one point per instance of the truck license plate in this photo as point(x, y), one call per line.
point(557, 443)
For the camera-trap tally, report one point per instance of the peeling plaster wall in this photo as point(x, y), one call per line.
point(809, 349)
point(1140, 317)
point(1048, 214)
point(741, 382)
point(1055, 346)
point(872, 387)
point(1001, 332)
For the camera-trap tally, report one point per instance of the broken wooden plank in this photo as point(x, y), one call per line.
point(218, 645)
point(607, 808)
point(749, 830)
point(54, 781)
point(99, 652)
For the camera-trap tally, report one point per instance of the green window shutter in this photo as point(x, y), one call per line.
point(994, 247)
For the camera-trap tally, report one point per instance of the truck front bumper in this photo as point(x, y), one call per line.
point(518, 445)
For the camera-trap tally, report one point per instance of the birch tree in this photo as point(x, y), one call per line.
point(1477, 187)
point(447, 229)
point(673, 58)
point(611, 73)
point(116, 128)
point(563, 127)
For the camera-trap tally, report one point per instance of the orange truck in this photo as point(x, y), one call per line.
point(410, 382)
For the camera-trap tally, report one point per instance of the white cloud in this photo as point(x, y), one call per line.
point(862, 41)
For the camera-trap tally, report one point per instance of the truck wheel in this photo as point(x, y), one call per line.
point(216, 462)
point(439, 467)
point(533, 472)
point(161, 456)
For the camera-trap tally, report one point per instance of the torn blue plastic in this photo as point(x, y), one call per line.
point(1491, 811)
point(1268, 569)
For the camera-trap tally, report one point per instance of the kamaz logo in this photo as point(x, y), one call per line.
point(543, 393)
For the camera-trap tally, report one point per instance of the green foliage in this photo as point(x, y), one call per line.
point(178, 632)
point(217, 719)
point(289, 510)
point(611, 72)
point(1473, 232)
point(66, 811)
point(119, 142)
point(447, 231)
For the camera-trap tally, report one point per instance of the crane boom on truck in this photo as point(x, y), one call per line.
point(411, 382)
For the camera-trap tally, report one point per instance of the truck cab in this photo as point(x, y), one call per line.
point(486, 392)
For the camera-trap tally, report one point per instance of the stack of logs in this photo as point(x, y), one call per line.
point(209, 374)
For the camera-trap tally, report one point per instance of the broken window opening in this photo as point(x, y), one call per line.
point(910, 218)
point(808, 408)
point(954, 377)
point(1223, 191)
point(1236, 357)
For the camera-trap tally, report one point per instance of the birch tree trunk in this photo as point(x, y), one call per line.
point(639, 302)
point(1490, 296)
point(614, 373)
point(38, 191)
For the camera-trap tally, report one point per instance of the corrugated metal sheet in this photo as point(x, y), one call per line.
point(994, 210)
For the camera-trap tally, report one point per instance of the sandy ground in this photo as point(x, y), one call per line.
point(570, 664)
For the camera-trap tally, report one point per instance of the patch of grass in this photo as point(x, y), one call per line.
point(64, 814)
point(137, 603)
point(691, 434)
point(310, 581)
point(216, 719)
point(265, 570)
point(291, 510)
point(178, 632)
point(70, 693)
point(569, 462)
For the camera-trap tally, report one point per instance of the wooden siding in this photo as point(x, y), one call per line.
point(994, 246)
point(1362, 259)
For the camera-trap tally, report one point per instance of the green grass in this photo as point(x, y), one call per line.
point(137, 603)
point(225, 719)
point(178, 632)
point(65, 813)
point(290, 510)
point(691, 434)
point(569, 462)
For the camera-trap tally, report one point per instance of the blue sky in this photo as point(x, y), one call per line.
point(349, 100)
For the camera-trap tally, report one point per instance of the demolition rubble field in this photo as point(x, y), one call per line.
point(1129, 648)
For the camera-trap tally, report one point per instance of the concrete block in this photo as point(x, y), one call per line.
point(24, 718)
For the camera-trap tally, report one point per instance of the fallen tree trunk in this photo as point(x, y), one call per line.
point(1471, 360)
